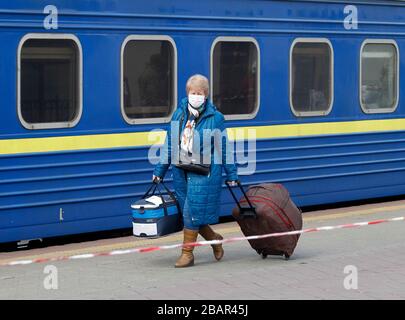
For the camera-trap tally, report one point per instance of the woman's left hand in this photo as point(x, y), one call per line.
point(233, 183)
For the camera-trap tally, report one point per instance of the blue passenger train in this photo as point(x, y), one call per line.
point(82, 83)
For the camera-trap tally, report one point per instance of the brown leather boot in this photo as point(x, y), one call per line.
point(209, 234)
point(187, 258)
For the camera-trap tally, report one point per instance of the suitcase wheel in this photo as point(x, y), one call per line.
point(264, 256)
point(287, 256)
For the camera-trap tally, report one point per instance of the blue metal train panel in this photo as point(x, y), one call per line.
point(66, 185)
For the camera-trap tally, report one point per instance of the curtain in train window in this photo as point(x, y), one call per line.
point(49, 81)
point(311, 82)
point(148, 79)
point(235, 77)
point(379, 87)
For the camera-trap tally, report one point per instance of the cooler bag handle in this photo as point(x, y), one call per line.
point(152, 187)
point(155, 187)
point(245, 212)
point(172, 195)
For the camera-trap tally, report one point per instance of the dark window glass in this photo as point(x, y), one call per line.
point(49, 81)
point(148, 79)
point(235, 77)
point(311, 77)
point(379, 65)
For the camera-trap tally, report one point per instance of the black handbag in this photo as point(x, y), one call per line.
point(203, 169)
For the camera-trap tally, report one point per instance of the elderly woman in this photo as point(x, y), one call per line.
point(197, 192)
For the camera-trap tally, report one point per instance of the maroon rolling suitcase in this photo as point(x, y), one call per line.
point(265, 209)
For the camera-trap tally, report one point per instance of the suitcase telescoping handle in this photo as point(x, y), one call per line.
point(245, 212)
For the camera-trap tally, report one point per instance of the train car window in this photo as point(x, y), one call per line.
point(379, 76)
point(311, 77)
point(235, 77)
point(148, 79)
point(49, 82)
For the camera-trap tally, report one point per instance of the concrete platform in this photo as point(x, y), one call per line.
point(316, 271)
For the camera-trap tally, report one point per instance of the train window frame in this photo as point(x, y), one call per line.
point(332, 75)
point(379, 110)
point(141, 121)
point(254, 113)
point(79, 112)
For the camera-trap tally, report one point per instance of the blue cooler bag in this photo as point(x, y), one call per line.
point(156, 215)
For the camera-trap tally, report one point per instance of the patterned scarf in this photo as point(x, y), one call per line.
point(188, 132)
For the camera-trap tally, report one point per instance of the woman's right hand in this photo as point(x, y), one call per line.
point(156, 179)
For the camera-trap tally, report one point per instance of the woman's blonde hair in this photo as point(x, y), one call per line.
point(199, 81)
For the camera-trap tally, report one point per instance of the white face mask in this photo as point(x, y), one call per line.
point(195, 100)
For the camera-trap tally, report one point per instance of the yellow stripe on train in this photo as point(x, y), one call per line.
point(137, 139)
point(314, 129)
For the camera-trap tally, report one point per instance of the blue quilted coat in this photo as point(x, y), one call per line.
point(199, 196)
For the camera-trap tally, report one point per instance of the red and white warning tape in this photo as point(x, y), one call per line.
point(199, 243)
